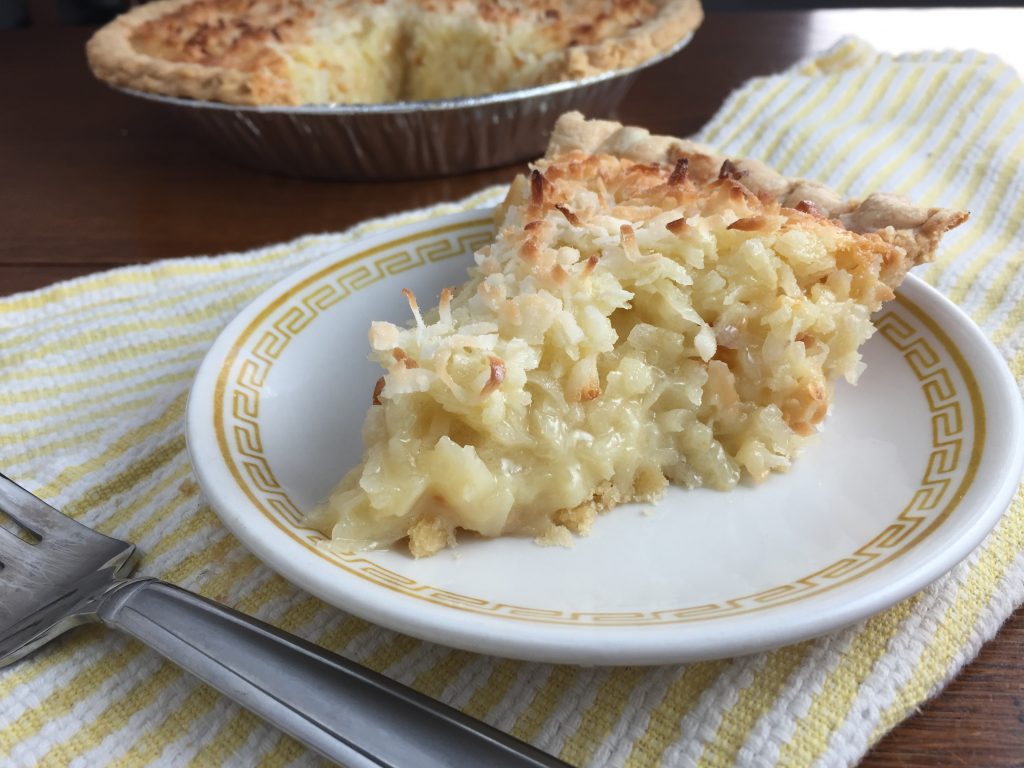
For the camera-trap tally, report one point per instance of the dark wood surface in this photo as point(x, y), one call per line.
point(90, 179)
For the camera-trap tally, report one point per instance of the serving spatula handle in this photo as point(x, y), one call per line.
point(342, 710)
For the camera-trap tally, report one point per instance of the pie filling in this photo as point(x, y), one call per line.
point(345, 52)
point(629, 326)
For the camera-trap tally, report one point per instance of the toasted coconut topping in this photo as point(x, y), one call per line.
point(583, 383)
point(401, 357)
point(628, 239)
point(529, 250)
point(536, 187)
point(806, 339)
point(558, 274)
point(589, 266)
point(414, 306)
point(678, 175)
point(730, 171)
point(749, 224)
point(377, 389)
point(808, 206)
point(677, 226)
point(497, 376)
point(444, 307)
point(737, 192)
point(571, 217)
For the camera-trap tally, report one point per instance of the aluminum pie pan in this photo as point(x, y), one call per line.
point(400, 140)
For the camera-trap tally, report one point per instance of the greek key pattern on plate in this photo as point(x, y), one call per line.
point(272, 340)
point(944, 467)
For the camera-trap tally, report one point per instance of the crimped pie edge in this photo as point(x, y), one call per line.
point(895, 218)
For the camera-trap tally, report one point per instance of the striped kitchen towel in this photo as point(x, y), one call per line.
point(95, 374)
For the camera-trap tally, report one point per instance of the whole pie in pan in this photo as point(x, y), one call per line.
point(292, 52)
point(650, 311)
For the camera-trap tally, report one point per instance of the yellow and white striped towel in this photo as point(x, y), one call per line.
point(94, 379)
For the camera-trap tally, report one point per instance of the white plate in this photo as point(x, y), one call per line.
point(915, 464)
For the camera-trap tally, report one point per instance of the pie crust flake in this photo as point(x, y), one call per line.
point(649, 312)
point(292, 52)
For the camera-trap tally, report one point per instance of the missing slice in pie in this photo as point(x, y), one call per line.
point(649, 312)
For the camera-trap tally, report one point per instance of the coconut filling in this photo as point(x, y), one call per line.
point(592, 358)
point(353, 60)
point(386, 56)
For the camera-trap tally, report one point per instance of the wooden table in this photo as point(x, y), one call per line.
point(90, 179)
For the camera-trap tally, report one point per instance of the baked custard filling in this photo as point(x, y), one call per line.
point(634, 323)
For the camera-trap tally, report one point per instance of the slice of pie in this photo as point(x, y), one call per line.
point(649, 312)
point(292, 52)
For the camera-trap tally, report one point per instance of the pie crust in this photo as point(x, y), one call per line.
point(291, 52)
point(897, 220)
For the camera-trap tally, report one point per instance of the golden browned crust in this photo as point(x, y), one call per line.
point(647, 487)
point(894, 219)
point(231, 50)
point(672, 22)
point(432, 533)
point(429, 535)
point(162, 47)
